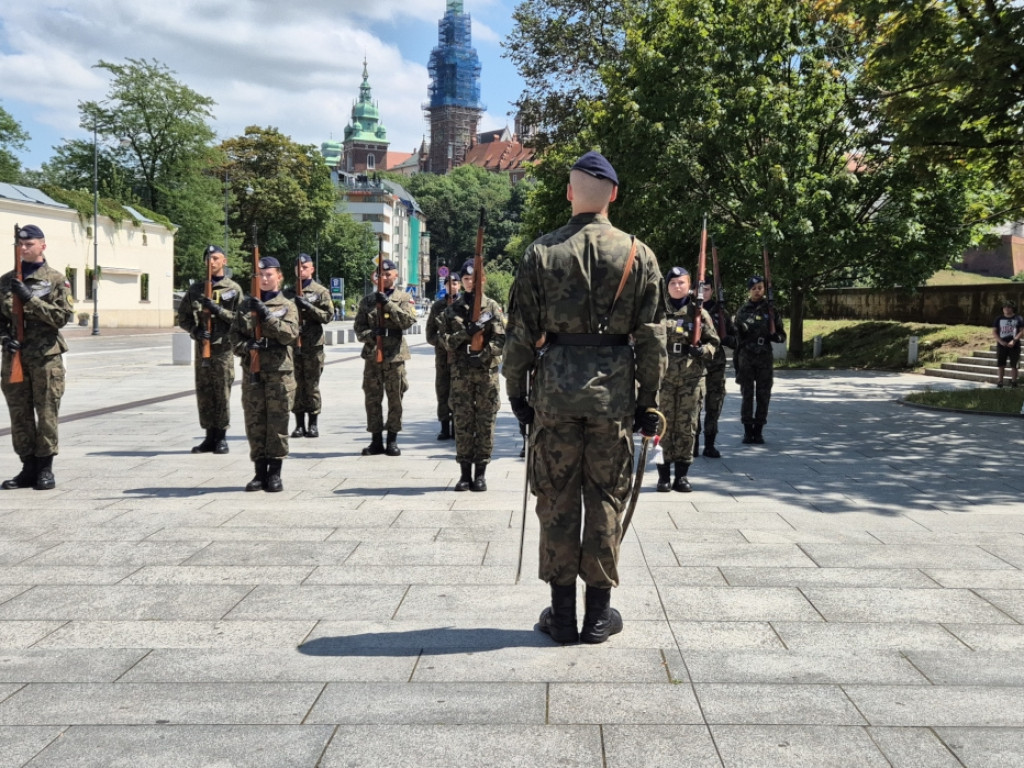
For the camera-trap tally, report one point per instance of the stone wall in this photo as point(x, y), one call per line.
point(946, 305)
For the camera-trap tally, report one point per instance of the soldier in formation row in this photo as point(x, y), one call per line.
point(442, 357)
point(316, 309)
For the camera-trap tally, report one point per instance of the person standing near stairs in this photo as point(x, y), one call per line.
point(1008, 329)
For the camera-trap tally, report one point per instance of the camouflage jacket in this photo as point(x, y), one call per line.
point(279, 332)
point(453, 336)
point(228, 295)
point(682, 366)
point(566, 283)
point(753, 328)
point(433, 328)
point(312, 321)
point(399, 316)
point(45, 313)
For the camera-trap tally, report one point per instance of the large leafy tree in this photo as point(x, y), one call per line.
point(279, 187)
point(346, 249)
point(947, 79)
point(12, 137)
point(742, 111)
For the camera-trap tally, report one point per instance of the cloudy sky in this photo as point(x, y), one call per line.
point(292, 64)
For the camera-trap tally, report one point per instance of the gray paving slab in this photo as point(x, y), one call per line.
point(985, 747)
point(22, 743)
point(885, 556)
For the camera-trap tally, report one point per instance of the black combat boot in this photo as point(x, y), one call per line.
point(696, 445)
point(748, 434)
point(312, 430)
point(376, 446)
point(479, 481)
point(300, 425)
point(466, 480)
point(24, 479)
point(259, 480)
point(600, 621)
point(446, 430)
point(709, 446)
point(559, 619)
point(208, 444)
point(44, 474)
point(664, 478)
point(758, 438)
point(273, 484)
point(393, 449)
point(220, 443)
point(681, 484)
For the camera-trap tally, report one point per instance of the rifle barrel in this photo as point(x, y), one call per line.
point(17, 318)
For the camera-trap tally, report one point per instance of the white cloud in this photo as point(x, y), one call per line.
point(293, 65)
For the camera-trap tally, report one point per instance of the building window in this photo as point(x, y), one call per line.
point(370, 162)
point(144, 287)
point(71, 274)
point(88, 284)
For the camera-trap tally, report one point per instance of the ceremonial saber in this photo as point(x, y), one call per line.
point(638, 477)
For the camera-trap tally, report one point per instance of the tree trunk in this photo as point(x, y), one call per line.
point(796, 322)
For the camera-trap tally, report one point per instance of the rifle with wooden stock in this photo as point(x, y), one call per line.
point(768, 291)
point(257, 328)
point(477, 342)
point(380, 290)
point(17, 318)
point(698, 303)
point(719, 290)
point(207, 315)
point(298, 306)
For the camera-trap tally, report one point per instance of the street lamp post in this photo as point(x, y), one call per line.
point(95, 233)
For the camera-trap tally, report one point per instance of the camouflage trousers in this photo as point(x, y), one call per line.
point(34, 405)
point(309, 365)
point(714, 400)
point(580, 473)
point(475, 400)
point(380, 379)
point(442, 384)
point(754, 374)
point(213, 388)
point(680, 403)
point(267, 405)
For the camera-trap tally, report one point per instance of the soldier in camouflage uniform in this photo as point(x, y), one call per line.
point(682, 389)
point(387, 377)
point(267, 400)
point(755, 358)
point(215, 375)
point(586, 319)
point(442, 357)
point(35, 402)
point(316, 309)
point(475, 392)
point(714, 381)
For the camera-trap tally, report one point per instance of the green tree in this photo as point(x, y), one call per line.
point(347, 249)
point(741, 111)
point(12, 136)
point(451, 205)
point(947, 78)
point(281, 188)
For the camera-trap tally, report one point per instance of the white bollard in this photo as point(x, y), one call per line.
point(328, 338)
point(779, 351)
point(181, 349)
point(817, 346)
point(912, 351)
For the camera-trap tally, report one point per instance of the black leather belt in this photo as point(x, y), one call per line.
point(588, 339)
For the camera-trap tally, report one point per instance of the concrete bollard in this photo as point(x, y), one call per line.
point(912, 351)
point(181, 349)
point(817, 346)
point(350, 336)
point(779, 351)
point(328, 338)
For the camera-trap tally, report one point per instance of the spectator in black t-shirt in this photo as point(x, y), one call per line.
point(1008, 329)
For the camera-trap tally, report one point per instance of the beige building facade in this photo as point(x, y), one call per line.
point(135, 257)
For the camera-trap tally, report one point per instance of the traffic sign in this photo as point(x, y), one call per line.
point(442, 272)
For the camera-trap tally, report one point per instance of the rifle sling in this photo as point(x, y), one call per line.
point(603, 325)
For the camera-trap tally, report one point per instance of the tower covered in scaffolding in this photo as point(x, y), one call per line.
point(454, 107)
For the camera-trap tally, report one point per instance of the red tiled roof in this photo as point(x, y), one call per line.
point(499, 155)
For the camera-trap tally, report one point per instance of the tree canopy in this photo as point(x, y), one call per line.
point(12, 136)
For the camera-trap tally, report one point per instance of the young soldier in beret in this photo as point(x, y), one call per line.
point(316, 308)
point(755, 359)
point(475, 391)
point(214, 375)
point(35, 401)
point(267, 397)
point(442, 357)
point(388, 376)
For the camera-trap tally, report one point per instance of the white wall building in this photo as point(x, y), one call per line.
point(136, 258)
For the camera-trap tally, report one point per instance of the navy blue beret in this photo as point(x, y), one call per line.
point(754, 281)
point(467, 267)
point(305, 258)
point(268, 262)
point(595, 164)
point(675, 272)
point(212, 249)
point(30, 232)
point(387, 265)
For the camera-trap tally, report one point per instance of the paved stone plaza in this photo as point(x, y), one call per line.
point(850, 594)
